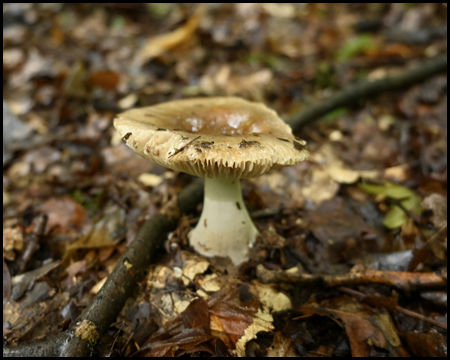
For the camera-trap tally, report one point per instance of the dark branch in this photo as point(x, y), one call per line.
point(405, 281)
point(95, 320)
point(368, 89)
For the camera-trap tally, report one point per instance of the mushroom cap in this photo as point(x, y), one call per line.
point(214, 137)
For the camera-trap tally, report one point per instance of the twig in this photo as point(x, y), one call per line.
point(421, 317)
point(356, 92)
point(405, 281)
point(398, 308)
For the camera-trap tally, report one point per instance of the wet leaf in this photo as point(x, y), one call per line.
point(230, 317)
point(430, 344)
point(185, 332)
point(366, 328)
point(281, 347)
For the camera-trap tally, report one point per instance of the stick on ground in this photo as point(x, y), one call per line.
point(402, 280)
point(368, 89)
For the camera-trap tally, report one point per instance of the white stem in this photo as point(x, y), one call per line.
point(225, 227)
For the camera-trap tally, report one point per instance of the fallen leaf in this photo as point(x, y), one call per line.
point(408, 199)
point(430, 344)
point(107, 80)
point(271, 298)
point(230, 317)
point(26, 280)
point(318, 186)
point(105, 232)
point(151, 180)
point(185, 331)
point(438, 205)
point(64, 214)
point(12, 242)
point(366, 327)
point(262, 322)
point(157, 45)
point(281, 346)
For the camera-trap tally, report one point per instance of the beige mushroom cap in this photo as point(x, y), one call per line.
point(214, 137)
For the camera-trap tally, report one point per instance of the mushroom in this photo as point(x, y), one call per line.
point(222, 139)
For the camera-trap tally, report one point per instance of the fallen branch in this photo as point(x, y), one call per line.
point(405, 281)
point(353, 93)
point(95, 320)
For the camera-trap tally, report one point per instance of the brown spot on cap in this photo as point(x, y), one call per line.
point(126, 136)
point(298, 146)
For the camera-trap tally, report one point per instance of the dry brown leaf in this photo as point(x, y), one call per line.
point(438, 205)
point(271, 298)
point(262, 321)
point(105, 79)
point(106, 232)
point(318, 186)
point(281, 346)
point(12, 242)
point(365, 327)
point(159, 44)
point(64, 214)
point(230, 317)
point(430, 344)
point(183, 332)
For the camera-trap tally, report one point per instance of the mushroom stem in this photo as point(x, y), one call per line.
point(225, 227)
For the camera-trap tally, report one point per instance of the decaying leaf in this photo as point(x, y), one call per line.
point(281, 346)
point(271, 298)
point(430, 344)
point(365, 326)
point(26, 280)
point(262, 321)
point(438, 205)
point(12, 242)
point(184, 332)
point(106, 232)
point(232, 315)
point(319, 187)
point(64, 214)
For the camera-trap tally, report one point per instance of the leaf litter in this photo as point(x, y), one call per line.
point(372, 196)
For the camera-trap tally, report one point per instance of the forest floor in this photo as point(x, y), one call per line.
point(352, 257)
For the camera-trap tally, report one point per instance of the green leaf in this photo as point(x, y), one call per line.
point(335, 114)
point(356, 46)
point(396, 217)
